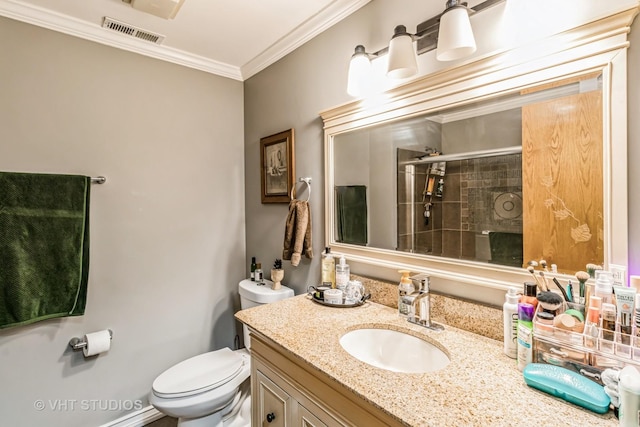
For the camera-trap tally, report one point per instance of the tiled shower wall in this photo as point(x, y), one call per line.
point(480, 195)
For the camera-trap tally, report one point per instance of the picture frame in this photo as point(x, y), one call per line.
point(277, 167)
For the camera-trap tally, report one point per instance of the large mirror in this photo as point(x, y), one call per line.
point(453, 183)
point(470, 174)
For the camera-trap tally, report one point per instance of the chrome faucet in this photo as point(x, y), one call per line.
point(423, 303)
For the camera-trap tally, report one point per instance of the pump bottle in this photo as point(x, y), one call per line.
point(328, 269)
point(510, 314)
point(405, 289)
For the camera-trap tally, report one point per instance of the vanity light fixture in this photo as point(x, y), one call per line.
point(450, 32)
point(403, 60)
point(359, 77)
point(455, 36)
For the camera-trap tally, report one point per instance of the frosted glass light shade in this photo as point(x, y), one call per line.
point(455, 37)
point(403, 61)
point(359, 77)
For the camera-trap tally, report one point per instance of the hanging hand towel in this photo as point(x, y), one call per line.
point(44, 246)
point(297, 234)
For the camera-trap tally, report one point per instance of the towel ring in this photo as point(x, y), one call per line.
point(306, 180)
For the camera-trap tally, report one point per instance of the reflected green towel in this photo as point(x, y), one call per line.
point(351, 204)
point(506, 248)
point(44, 246)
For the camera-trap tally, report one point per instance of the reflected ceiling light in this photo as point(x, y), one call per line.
point(455, 37)
point(450, 32)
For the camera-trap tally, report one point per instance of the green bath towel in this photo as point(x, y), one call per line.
point(44, 246)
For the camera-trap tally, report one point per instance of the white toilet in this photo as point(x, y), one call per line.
point(213, 389)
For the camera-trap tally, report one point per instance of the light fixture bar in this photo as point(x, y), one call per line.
point(452, 27)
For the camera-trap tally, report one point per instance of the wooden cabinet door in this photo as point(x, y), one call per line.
point(307, 419)
point(272, 404)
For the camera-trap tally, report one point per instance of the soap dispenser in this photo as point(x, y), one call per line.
point(405, 289)
point(328, 269)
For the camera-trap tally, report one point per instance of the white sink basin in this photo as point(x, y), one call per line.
point(393, 350)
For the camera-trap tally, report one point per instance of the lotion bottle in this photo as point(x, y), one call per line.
point(510, 314)
point(342, 274)
point(525, 334)
point(328, 269)
point(604, 287)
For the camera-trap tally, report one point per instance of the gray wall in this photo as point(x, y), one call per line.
point(167, 228)
point(490, 131)
point(313, 78)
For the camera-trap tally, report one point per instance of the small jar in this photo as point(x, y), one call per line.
point(353, 292)
point(544, 321)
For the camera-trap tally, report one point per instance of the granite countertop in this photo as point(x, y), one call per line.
point(481, 386)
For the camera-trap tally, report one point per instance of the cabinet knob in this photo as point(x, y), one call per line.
point(271, 417)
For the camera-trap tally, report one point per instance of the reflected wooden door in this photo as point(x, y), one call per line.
point(562, 181)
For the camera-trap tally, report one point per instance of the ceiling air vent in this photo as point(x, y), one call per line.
point(130, 30)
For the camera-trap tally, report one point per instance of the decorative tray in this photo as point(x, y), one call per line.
point(356, 304)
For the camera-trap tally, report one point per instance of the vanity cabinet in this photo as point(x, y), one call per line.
point(287, 392)
point(273, 405)
point(278, 403)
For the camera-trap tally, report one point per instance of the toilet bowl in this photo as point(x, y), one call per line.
point(213, 389)
point(201, 390)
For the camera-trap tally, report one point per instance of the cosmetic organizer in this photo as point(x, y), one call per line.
point(586, 355)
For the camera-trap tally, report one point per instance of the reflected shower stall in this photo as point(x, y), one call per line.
point(465, 206)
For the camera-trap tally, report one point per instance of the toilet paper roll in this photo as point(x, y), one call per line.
point(97, 342)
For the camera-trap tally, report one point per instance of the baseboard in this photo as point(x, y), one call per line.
point(137, 419)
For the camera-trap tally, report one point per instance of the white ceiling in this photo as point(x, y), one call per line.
point(231, 38)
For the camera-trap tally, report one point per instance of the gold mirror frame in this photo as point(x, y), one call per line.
point(600, 46)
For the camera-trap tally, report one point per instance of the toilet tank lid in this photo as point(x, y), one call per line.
point(263, 294)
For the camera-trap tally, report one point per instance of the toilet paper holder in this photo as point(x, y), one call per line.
point(80, 343)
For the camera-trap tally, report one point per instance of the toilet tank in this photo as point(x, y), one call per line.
point(252, 294)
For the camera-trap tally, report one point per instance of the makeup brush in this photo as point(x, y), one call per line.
point(544, 279)
point(531, 270)
point(550, 301)
point(543, 264)
point(572, 298)
point(564, 293)
point(591, 270)
point(582, 277)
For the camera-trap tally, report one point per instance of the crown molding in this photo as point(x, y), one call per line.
point(51, 20)
point(75, 27)
point(330, 15)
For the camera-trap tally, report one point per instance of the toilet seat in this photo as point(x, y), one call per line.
point(198, 374)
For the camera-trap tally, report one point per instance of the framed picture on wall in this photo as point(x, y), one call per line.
point(277, 167)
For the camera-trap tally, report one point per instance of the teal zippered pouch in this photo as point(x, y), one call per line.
point(567, 385)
